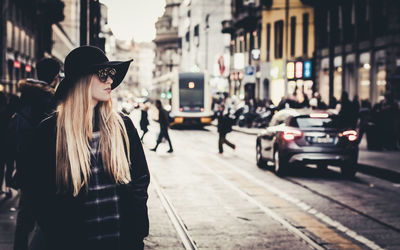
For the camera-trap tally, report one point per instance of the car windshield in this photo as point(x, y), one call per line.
point(308, 122)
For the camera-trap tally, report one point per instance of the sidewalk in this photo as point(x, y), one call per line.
point(382, 164)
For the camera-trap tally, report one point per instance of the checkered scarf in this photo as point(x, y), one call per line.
point(102, 214)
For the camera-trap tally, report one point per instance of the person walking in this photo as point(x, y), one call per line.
point(35, 104)
point(144, 121)
point(224, 127)
point(164, 125)
point(89, 190)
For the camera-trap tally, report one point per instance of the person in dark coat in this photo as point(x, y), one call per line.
point(164, 125)
point(36, 104)
point(89, 189)
point(144, 121)
point(347, 115)
point(224, 127)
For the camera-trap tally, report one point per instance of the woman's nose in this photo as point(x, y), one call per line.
point(109, 80)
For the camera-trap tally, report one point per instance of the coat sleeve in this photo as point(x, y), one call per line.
point(135, 226)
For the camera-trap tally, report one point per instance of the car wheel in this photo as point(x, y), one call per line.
point(260, 161)
point(349, 170)
point(280, 164)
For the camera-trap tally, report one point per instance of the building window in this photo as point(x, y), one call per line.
point(268, 40)
point(305, 33)
point(187, 39)
point(196, 35)
point(293, 36)
point(278, 39)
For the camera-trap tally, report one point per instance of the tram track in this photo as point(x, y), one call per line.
point(180, 226)
point(321, 216)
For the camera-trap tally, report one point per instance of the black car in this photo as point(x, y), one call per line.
point(308, 137)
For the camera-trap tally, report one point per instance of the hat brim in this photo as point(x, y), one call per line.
point(120, 66)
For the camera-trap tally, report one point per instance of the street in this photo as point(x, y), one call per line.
point(227, 202)
point(199, 199)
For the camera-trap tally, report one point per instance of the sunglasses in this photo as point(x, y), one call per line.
point(104, 73)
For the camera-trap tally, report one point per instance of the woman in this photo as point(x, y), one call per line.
point(89, 186)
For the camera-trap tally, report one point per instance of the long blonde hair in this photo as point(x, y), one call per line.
point(75, 116)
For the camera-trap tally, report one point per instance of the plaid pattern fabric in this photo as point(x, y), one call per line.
point(102, 213)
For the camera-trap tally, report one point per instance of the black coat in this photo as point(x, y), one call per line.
point(60, 216)
point(224, 122)
point(163, 119)
point(36, 103)
point(144, 121)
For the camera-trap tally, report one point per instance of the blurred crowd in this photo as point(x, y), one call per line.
point(379, 122)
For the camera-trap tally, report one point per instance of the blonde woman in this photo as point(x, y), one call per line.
point(89, 186)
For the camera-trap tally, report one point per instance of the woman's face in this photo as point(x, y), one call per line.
point(101, 91)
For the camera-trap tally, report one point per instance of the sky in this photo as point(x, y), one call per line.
point(134, 19)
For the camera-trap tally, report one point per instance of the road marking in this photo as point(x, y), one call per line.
point(302, 205)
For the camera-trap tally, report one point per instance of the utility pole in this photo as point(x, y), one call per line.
point(331, 54)
point(287, 44)
point(206, 44)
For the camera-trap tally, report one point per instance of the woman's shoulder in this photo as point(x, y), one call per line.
point(128, 122)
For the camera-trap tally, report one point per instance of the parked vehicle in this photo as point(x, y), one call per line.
point(307, 137)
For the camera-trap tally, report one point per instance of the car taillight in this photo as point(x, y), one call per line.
point(351, 135)
point(291, 134)
point(201, 109)
point(181, 109)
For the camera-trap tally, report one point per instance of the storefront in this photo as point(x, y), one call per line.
point(277, 84)
point(299, 75)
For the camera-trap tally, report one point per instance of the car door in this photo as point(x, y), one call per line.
point(268, 138)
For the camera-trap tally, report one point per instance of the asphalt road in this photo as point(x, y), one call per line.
point(227, 202)
point(199, 199)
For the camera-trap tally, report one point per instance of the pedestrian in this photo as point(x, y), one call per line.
point(89, 189)
point(347, 115)
point(164, 125)
point(364, 116)
point(35, 104)
point(224, 127)
point(144, 121)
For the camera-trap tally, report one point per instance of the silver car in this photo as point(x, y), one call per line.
point(307, 137)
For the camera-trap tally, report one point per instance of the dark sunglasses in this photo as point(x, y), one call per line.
point(104, 73)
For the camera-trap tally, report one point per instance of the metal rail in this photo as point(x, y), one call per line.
point(180, 227)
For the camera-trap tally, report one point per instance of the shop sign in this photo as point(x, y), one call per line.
point(238, 61)
point(307, 69)
point(299, 70)
point(249, 70)
point(28, 68)
point(17, 64)
point(276, 71)
point(255, 53)
point(290, 70)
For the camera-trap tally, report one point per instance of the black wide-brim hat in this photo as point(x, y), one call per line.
point(87, 60)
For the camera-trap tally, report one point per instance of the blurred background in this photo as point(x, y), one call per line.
point(248, 49)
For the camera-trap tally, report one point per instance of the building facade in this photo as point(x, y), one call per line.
point(245, 31)
point(204, 48)
point(167, 50)
point(287, 47)
point(358, 49)
point(26, 36)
